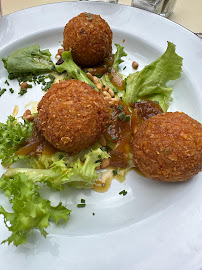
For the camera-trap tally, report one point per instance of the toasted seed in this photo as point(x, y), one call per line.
point(135, 65)
point(111, 92)
point(106, 94)
point(99, 86)
point(105, 163)
point(90, 76)
point(95, 80)
point(106, 88)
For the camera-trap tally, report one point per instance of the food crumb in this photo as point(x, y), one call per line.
point(23, 85)
point(135, 65)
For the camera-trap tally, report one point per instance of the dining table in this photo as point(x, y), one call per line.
point(186, 13)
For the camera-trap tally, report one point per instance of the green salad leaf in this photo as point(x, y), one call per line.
point(30, 211)
point(28, 60)
point(118, 57)
point(12, 135)
point(73, 70)
point(150, 83)
point(76, 173)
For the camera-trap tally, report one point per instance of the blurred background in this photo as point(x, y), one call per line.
point(187, 13)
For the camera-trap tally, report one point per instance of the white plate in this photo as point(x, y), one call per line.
point(157, 225)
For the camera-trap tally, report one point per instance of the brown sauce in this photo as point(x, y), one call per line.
point(120, 132)
point(36, 145)
point(101, 69)
point(116, 80)
point(60, 51)
point(143, 110)
point(102, 185)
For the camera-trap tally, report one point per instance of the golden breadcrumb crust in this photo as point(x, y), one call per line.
point(90, 39)
point(168, 147)
point(72, 115)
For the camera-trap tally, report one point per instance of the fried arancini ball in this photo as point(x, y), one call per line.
point(90, 39)
point(72, 115)
point(168, 147)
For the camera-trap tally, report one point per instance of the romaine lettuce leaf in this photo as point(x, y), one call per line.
point(28, 60)
point(150, 83)
point(73, 70)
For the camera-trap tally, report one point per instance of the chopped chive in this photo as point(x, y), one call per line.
point(82, 201)
point(89, 16)
point(93, 214)
point(123, 192)
point(6, 82)
point(124, 68)
point(111, 77)
point(11, 90)
point(2, 91)
point(114, 172)
point(115, 91)
point(120, 107)
point(81, 205)
point(121, 116)
point(127, 118)
point(167, 151)
point(98, 75)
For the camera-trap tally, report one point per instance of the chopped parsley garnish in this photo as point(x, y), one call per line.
point(81, 205)
point(93, 214)
point(89, 16)
point(167, 151)
point(123, 192)
point(127, 118)
point(2, 91)
point(106, 59)
point(120, 107)
point(82, 201)
point(11, 90)
point(121, 116)
point(6, 82)
point(114, 172)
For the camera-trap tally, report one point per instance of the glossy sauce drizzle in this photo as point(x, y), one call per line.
point(36, 144)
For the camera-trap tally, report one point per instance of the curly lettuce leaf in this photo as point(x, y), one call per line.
point(150, 83)
point(28, 60)
point(118, 57)
point(30, 211)
point(73, 70)
point(76, 173)
point(12, 135)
